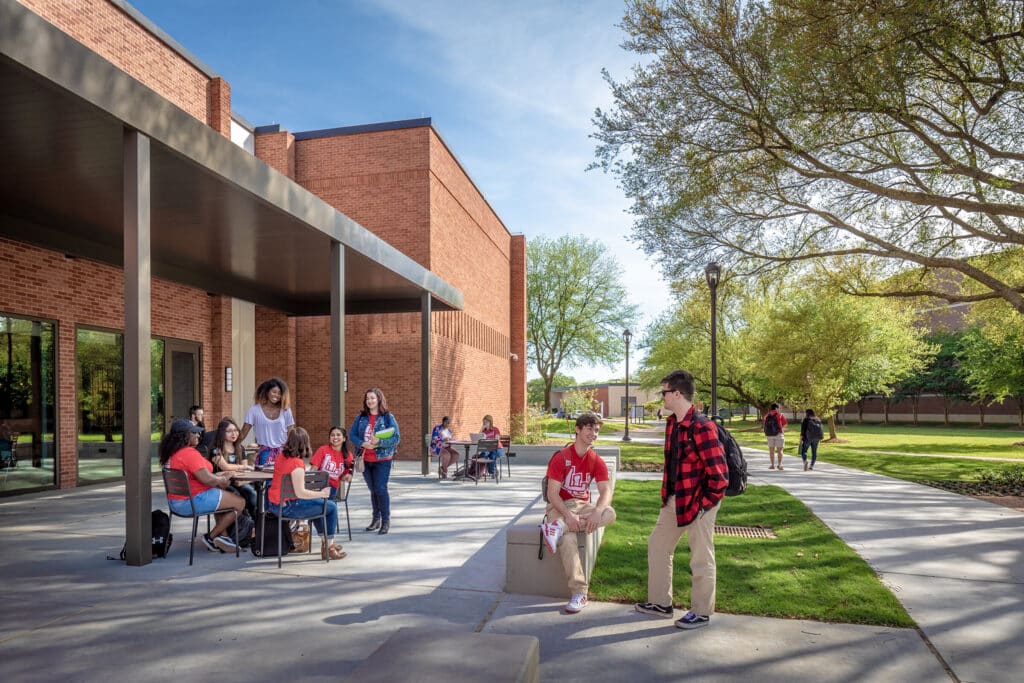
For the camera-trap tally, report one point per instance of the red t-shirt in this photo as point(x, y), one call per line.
point(284, 467)
point(335, 463)
point(190, 461)
point(576, 472)
point(493, 433)
point(369, 455)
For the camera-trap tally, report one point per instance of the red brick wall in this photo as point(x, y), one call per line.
point(277, 150)
point(219, 106)
point(377, 179)
point(108, 31)
point(80, 292)
point(275, 351)
point(517, 325)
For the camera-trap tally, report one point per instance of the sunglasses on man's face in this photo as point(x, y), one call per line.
point(666, 391)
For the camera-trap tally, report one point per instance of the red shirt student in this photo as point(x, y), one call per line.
point(570, 473)
point(335, 458)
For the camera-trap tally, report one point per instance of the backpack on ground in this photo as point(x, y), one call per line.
point(771, 425)
point(161, 541)
point(162, 535)
point(246, 525)
point(733, 454)
point(815, 432)
point(265, 544)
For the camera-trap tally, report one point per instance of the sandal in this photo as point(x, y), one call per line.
point(337, 553)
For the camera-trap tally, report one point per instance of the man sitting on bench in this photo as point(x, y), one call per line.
point(570, 472)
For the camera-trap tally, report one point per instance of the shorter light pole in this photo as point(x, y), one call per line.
point(626, 336)
point(713, 272)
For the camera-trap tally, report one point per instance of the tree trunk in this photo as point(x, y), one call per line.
point(913, 401)
point(860, 411)
point(832, 427)
point(1020, 411)
point(945, 411)
point(981, 414)
point(885, 410)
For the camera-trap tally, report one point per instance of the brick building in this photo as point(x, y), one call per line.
point(264, 246)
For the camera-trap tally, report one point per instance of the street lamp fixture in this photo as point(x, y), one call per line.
point(626, 336)
point(713, 273)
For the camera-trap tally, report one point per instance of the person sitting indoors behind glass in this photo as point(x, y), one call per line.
point(178, 452)
point(306, 502)
point(489, 458)
point(228, 455)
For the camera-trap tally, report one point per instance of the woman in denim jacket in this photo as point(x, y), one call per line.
point(374, 434)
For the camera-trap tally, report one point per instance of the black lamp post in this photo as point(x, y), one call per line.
point(626, 336)
point(713, 272)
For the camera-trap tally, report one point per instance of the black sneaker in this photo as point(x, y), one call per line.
point(691, 621)
point(225, 543)
point(654, 609)
point(210, 545)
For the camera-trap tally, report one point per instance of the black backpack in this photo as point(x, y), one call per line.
point(162, 537)
point(771, 425)
point(265, 544)
point(733, 455)
point(815, 432)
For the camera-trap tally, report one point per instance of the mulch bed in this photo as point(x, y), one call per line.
point(1007, 496)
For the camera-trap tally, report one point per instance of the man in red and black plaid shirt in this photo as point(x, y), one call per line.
point(692, 486)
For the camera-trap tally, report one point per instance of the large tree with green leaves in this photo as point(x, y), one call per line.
point(762, 133)
point(823, 348)
point(577, 306)
point(992, 356)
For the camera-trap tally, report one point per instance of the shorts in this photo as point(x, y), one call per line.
point(776, 441)
point(206, 502)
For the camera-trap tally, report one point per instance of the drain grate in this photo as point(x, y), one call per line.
point(745, 531)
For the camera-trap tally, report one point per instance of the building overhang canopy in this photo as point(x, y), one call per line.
point(221, 220)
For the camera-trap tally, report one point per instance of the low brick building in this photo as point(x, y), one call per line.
point(254, 245)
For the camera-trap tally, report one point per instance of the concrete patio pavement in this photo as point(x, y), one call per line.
point(70, 614)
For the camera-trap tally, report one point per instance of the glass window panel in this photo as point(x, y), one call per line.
point(27, 404)
point(100, 405)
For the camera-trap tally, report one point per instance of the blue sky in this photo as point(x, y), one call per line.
point(511, 87)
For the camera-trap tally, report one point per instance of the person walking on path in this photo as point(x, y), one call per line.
point(374, 434)
point(569, 475)
point(774, 425)
point(811, 432)
point(693, 483)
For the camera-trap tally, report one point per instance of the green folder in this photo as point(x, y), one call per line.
point(385, 433)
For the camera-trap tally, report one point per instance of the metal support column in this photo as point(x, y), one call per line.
point(337, 380)
point(425, 378)
point(138, 481)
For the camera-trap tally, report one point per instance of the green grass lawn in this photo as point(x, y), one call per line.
point(807, 573)
point(992, 442)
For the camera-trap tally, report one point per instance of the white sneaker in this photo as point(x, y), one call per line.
point(576, 603)
point(551, 533)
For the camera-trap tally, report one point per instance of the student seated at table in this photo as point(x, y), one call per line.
point(306, 502)
point(178, 452)
point(439, 446)
point(488, 459)
point(228, 455)
point(335, 458)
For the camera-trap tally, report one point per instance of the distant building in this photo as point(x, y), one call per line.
point(610, 398)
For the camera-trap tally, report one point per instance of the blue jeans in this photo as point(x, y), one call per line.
point(376, 476)
point(814, 451)
point(493, 457)
point(304, 507)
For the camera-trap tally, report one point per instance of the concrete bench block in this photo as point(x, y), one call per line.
point(414, 655)
point(525, 574)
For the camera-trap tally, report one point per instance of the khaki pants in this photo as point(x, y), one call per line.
point(661, 548)
point(568, 544)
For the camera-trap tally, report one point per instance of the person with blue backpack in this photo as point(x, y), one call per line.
point(811, 433)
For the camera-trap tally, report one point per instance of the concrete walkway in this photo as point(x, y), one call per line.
point(69, 614)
